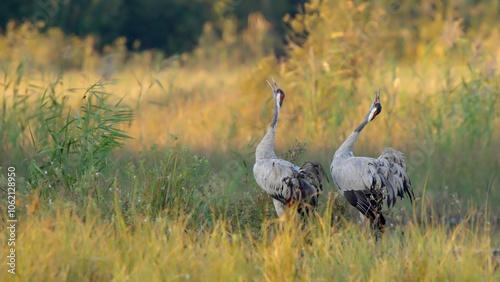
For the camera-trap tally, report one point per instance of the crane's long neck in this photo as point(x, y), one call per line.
point(265, 149)
point(346, 147)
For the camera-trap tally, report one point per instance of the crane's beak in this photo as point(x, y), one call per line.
point(270, 85)
point(275, 89)
point(377, 96)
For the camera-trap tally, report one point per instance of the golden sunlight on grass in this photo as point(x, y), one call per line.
point(136, 165)
point(96, 249)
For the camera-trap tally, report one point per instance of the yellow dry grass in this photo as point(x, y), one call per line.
point(58, 245)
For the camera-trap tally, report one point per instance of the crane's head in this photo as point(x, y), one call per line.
point(278, 94)
point(375, 108)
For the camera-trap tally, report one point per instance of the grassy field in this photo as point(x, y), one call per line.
point(134, 166)
point(177, 248)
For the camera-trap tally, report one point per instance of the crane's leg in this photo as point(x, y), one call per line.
point(280, 207)
point(364, 221)
point(362, 217)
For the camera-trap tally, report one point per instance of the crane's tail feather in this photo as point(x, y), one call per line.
point(303, 192)
point(314, 173)
point(393, 168)
point(305, 186)
point(394, 156)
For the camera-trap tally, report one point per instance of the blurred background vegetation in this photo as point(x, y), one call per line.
point(128, 112)
point(172, 26)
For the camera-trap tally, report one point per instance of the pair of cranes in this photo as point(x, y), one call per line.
point(364, 182)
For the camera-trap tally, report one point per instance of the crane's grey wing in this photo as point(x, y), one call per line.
point(271, 175)
point(360, 183)
point(361, 201)
point(392, 166)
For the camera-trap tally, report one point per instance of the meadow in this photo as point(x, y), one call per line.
point(138, 166)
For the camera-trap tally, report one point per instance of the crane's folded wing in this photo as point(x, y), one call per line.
point(271, 174)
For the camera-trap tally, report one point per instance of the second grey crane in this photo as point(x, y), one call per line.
point(366, 182)
point(285, 182)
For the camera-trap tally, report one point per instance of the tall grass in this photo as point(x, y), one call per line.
point(166, 248)
point(178, 199)
point(71, 144)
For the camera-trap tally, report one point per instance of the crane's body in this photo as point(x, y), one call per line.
point(269, 174)
point(285, 182)
point(366, 182)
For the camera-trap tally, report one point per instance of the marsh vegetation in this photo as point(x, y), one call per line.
point(134, 165)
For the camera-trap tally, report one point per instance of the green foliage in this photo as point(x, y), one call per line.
point(172, 180)
point(70, 144)
point(172, 26)
point(13, 118)
point(153, 24)
point(56, 147)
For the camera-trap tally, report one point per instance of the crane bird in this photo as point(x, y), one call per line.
point(366, 182)
point(288, 184)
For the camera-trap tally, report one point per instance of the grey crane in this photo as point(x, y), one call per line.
point(286, 183)
point(366, 182)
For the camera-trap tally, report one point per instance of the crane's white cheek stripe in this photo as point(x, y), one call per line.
point(371, 114)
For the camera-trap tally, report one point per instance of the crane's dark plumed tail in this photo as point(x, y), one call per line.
point(305, 185)
point(314, 173)
point(393, 168)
